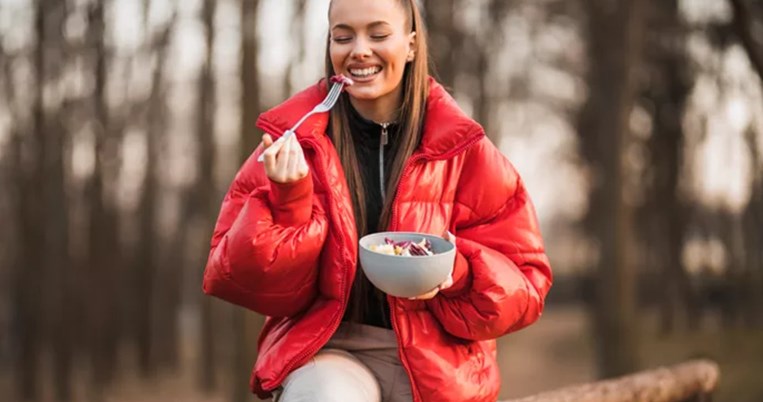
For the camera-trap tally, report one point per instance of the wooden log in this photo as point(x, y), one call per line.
point(694, 380)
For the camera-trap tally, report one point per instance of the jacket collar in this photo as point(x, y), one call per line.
point(447, 129)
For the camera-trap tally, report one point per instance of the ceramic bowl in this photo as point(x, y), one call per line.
point(406, 276)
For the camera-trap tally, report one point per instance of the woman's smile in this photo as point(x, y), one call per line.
point(364, 74)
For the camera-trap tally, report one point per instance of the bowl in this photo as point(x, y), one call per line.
point(406, 276)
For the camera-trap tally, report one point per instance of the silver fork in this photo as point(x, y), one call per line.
point(328, 102)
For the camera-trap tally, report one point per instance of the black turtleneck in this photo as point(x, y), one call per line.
point(367, 136)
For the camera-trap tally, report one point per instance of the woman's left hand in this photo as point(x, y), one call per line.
point(448, 281)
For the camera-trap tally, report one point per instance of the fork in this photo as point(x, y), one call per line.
point(328, 102)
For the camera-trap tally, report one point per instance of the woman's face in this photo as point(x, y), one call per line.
point(370, 42)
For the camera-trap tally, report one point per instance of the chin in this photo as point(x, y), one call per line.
point(366, 94)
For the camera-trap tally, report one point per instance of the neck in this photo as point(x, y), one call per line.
point(384, 109)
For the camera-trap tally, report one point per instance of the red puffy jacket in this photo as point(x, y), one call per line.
point(289, 252)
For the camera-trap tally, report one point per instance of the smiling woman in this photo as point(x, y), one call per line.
point(394, 154)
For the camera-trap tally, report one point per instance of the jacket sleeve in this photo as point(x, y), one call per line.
point(501, 274)
point(266, 243)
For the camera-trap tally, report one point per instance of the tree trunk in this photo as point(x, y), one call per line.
point(666, 63)
point(13, 177)
point(29, 266)
point(614, 29)
point(489, 42)
point(746, 16)
point(753, 237)
point(168, 274)
point(298, 38)
point(205, 191)
point(103, 249)
point(54, 249)
point(445, 39)
point(58, 262)
point(734, 276)
point(146, 267)
point(250, 81)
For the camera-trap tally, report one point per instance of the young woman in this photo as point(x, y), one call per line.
point(286, 241)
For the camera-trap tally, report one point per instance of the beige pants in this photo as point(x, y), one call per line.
point(359, 364)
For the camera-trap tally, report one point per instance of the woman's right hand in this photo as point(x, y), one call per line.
point(284, 161)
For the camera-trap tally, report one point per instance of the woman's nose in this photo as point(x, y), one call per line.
point(361, 49)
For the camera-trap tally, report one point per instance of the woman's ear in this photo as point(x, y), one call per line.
point(411, 46)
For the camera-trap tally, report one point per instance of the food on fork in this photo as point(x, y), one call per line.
point(404, 248)
point(341, 79)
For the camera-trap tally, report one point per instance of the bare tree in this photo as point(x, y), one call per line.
point(445, 37)
point(250, 82)
point(486, 43)
point(168, 274)
point(29, 264)
point(670, 81)
point(145, 265)
point(10, 175)
point(205, 191)
point(298, 35)
point(747, 15)
point(103, 243)
point(57, 260)
point(614, 29)
point(752, 219)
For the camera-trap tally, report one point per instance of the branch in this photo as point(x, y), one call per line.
point(743, 26)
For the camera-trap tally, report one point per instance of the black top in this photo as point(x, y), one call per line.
point(367, 139)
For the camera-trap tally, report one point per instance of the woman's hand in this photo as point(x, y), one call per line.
point(448, 281)
point(284, 161)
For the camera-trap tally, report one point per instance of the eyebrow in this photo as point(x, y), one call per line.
point(371, 25)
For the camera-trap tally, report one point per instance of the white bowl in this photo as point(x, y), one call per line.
point(406, 276)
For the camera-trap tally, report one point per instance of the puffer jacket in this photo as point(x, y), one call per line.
point(289, 251)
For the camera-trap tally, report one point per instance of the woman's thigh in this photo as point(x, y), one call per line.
point(393, 379)
point(333, 375)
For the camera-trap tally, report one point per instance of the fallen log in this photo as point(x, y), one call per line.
point(692, 381)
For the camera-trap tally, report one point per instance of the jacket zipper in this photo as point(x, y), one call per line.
point(384, 141)
point(393, 220)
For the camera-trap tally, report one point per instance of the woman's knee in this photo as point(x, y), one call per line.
point(331, 376)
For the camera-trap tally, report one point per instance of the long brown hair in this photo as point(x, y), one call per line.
point(411, 119)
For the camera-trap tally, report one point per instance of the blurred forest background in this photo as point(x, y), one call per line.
point(637, 125)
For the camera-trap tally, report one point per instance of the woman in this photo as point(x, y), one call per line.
point(285, 243)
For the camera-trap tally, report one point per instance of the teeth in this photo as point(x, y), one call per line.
point(365, 71)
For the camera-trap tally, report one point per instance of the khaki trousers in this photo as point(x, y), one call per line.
point(359, 364)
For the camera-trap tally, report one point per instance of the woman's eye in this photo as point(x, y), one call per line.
point(342, 39)
point(379, 37)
